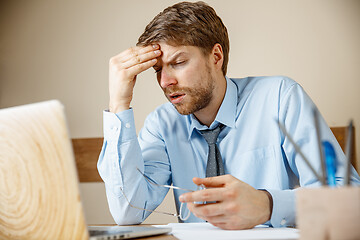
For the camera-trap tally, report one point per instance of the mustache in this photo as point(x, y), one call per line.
point(173, 89)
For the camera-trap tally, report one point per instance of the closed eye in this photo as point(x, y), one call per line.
point(178, 63)
point(174, 65)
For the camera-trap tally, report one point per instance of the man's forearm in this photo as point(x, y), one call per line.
point(121, 154)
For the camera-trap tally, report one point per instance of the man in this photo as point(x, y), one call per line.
point(249, 169)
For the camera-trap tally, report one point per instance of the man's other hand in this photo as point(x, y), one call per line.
point(123, 69)
point(236, 205)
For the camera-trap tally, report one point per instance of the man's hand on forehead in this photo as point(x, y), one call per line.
point(123, 69)
point(137, 55)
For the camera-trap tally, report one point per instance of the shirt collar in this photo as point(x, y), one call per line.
point(226, 114)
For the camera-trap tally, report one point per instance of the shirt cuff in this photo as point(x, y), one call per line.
point(283, 212)
point(119, 126)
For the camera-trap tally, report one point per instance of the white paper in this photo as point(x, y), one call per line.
point(199, 231)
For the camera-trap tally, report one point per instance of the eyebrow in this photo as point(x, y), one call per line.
point(175, 56)
point(172, 58)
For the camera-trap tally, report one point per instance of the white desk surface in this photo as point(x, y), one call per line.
point(199, 231)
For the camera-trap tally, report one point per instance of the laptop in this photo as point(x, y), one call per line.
point(39, 192)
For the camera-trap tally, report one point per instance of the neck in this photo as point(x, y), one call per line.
point(208, 114)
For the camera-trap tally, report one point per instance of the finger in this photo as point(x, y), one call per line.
point(141, 58)
point(136, 51)
point(221, 225)
point(219, 219)
point(206, 195)
point(138, 68)
point(218, 181)
point(208, 211)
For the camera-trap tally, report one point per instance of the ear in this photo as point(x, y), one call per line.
point(217, 56)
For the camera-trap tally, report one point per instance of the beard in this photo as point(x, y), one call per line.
point(197, 97)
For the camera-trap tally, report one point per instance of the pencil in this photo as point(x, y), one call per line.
point(298, 150)
point(348, 152)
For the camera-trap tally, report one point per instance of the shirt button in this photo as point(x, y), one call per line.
point(127, 125)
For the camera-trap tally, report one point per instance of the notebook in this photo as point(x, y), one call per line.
point(39, 192)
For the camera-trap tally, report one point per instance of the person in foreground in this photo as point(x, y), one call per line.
point(217, 131)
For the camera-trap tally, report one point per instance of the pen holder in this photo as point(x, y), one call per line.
point(328, 213)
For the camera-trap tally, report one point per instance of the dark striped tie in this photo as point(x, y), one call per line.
point(215, 165)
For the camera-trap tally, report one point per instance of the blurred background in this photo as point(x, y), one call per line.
point(60, 50)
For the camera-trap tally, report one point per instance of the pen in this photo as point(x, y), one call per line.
point(349, 152)
point(298, 150)
point(330, 159)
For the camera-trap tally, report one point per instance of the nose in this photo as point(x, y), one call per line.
point(166, 79)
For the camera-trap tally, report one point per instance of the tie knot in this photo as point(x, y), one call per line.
point(211, 135)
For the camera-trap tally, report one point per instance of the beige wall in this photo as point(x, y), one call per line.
point(60, 49)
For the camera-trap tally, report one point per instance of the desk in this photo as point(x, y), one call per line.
point(207, 231)
point(159, 237)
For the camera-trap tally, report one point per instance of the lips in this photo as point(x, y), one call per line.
point(176, 97)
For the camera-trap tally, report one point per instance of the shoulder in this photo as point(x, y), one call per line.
point(264, 82)
point(265, 85)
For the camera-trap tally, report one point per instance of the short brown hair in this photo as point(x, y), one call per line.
point(189, 24)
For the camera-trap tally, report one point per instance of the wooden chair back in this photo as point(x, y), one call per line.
point(87, 152)
point(341, 135)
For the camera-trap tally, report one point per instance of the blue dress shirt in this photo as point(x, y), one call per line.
point(170, 149)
